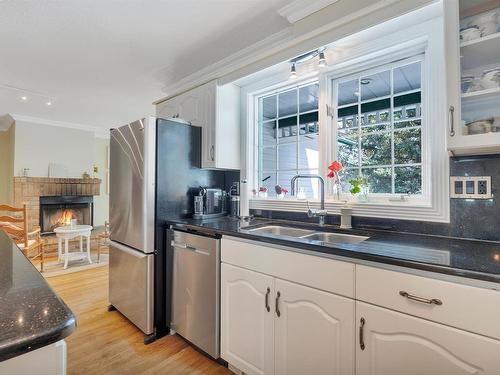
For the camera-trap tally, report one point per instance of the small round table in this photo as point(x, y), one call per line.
point(67, 233)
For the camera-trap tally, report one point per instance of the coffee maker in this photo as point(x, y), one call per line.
point(210, 203)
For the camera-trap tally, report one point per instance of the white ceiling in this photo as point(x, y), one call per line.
point(103, 62)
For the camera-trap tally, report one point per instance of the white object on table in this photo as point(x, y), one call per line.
point(67, 233)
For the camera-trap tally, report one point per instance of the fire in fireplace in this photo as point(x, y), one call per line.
point(56, 211)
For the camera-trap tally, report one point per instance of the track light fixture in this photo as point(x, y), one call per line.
point(319, 53)
point(293, 72)
point(322, 60)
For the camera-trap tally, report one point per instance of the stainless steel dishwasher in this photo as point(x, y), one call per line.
point(195, 290)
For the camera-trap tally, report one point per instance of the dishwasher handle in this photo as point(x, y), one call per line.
point(182, 245)
point(186, 246)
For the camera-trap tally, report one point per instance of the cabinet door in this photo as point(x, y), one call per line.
point(314, 332)
point(208, 132)
point(247, 325)
point(192, 106)
point(168, 109)
point(396, 344)
point(452, 66)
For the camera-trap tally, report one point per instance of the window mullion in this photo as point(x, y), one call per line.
point(297, 146)
point(359, 127)
point(277, 138)
point(393, 176)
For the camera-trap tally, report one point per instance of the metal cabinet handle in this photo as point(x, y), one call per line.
point(277, 308)
point(267, 299)
point(429, 301)
point(212, 152)
point(361, 333)
point(452, 121)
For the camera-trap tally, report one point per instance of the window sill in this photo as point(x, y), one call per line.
point(419, 210)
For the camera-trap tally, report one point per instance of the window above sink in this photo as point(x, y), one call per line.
point(396, 137)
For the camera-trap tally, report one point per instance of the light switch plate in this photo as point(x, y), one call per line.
point(470, 187)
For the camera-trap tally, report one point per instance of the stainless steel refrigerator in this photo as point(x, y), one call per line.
point(131, 218)
point(154, 173)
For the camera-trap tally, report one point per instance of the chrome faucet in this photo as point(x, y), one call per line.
point(321, 213)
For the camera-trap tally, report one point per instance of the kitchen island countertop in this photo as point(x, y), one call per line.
point(32, 315)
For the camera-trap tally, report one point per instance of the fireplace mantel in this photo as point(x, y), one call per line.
point(29, 189)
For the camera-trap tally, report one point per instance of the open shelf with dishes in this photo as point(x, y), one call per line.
point(480, 94)
point(477, 130)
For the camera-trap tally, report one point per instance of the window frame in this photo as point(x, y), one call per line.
point(334, 80)
point(255, 123)
point(425, 38)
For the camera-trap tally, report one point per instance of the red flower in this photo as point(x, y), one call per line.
point(335, 167)
point(330, 174)
point(284, 190)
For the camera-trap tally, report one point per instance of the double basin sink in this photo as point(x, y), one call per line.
point(324, 237)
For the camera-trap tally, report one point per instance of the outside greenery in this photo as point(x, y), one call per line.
point(385, 149)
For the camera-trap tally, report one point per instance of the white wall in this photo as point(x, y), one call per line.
point(101, 202)
point(7, 165)
point(38, 145)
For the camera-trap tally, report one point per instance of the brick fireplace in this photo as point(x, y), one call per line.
point(29, 190)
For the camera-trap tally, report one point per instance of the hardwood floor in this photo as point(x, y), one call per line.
point(106, 343)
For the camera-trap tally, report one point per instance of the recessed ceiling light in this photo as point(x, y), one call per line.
point(24, 98)
point(49, 103)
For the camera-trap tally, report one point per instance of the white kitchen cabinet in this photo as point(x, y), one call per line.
point(396, 343)
point(470, 58)
point(413, 325)
point(247, 326)
point(47, 360)
point(272, 326)
point(314, 333)
point(216, 110)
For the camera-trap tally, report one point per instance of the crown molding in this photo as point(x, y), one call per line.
point(228, 64)
point(300, 9)
point(284, 40)
point(98, 132)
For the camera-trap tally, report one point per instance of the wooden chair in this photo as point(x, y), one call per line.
point(102, 240)
point(16, 227)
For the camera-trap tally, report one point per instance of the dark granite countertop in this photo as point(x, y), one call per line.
point(31, 314)
point(459, 257)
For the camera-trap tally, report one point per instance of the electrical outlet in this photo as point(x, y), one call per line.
point(482, 187)
point(470, 187)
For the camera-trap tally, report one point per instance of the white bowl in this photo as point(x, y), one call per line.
point(490, 78)
point(470, 33)
point(479, 126)
point(488, 23)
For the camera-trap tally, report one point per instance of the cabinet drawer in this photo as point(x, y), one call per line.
point(318, 272)
point(465, 307)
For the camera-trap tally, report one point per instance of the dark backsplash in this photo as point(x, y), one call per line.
point(479, 219)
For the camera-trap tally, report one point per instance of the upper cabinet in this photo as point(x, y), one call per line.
point(472, 30)
point(216, 109)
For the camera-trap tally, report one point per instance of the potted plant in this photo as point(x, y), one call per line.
point(280, 191)
point(359, 185)
point(263, 192)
